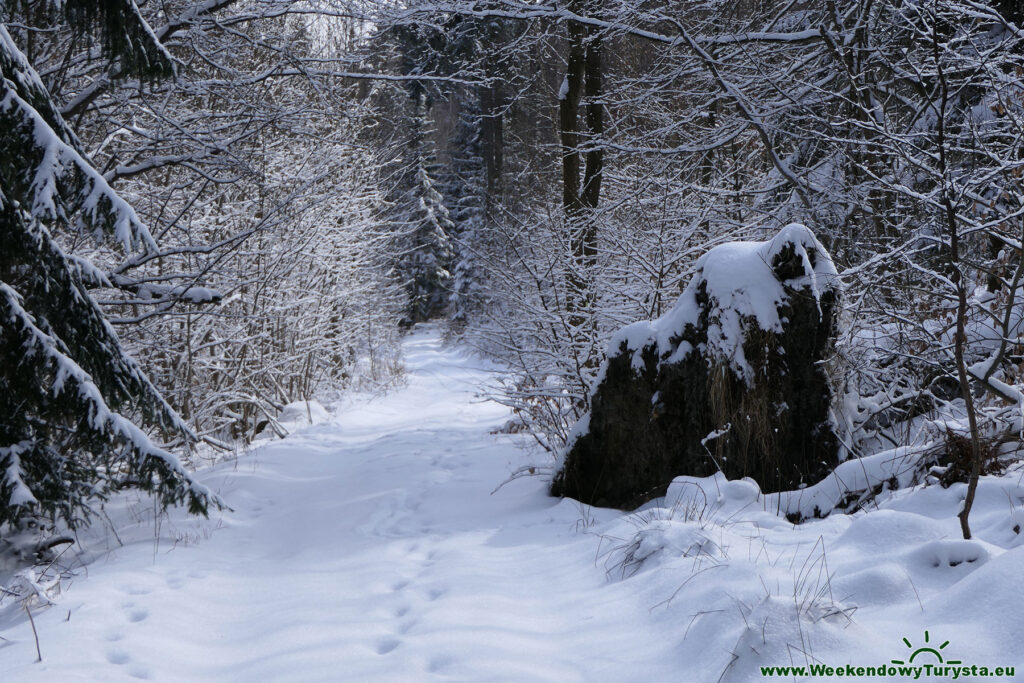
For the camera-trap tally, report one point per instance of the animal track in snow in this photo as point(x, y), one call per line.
point(137, 615)
point(121, 658)
point(439, 663)
point(386, 645)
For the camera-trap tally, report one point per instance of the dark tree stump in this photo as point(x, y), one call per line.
point(731, 379)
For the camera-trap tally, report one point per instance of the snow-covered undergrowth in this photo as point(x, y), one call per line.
point(369, 547)
point(754, 590)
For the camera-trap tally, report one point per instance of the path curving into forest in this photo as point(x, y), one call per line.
point(367, 548)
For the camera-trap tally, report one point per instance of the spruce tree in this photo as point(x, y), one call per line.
point(424, 226)
point(466, 193)
point(73, 404)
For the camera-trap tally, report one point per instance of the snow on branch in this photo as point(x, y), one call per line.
point(13, 479)
point(57, 163)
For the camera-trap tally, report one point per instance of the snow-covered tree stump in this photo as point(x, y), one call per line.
point(731, 379)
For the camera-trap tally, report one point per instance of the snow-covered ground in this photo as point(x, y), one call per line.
point(370, 547)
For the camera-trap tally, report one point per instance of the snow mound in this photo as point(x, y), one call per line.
point(755, 591)
point(304, 412)
point(950, 553)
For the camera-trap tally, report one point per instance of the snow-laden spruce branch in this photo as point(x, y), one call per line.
point(71, 382)
point(60, 163)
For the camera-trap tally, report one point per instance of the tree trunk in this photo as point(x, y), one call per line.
point(957, 278)
point(584, 75)
point(492, 149)
point(568, 118)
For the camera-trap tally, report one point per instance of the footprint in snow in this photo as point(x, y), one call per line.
point(439, 664)
point(386, 645)
point(121, 658)
point(137, 615)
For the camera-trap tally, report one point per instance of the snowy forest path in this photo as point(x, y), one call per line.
point(366, 548)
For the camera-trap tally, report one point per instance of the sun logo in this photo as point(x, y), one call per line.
point(926, 649)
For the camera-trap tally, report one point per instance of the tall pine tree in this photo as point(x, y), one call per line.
point(466, 193)
point(422, 223)
point(71, 400)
